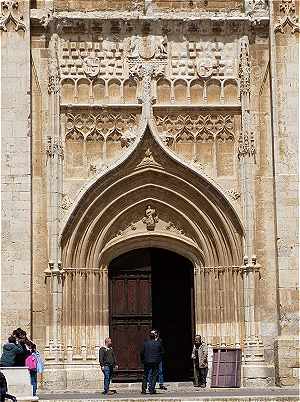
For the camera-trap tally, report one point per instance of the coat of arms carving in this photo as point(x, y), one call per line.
point(91, 66)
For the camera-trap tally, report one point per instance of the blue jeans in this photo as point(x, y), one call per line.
point(107, 371)
point(160, 374)
point(33, 379)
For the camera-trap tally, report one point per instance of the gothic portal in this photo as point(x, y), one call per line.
point(149, 151)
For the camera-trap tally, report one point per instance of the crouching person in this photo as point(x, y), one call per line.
point(199, 356)
point(108, 363)
point(3, 389)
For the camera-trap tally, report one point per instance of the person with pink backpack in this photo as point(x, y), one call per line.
point(31, 364)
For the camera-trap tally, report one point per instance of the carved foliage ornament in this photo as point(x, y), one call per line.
point(54, 148)
point(145, 72)
point(288, 9)
point(10, 13)
point(53, 66)
point(244, 68)
point(246, 145)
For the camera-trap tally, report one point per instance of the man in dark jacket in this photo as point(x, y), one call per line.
point(3, 390)
point(11, 351)
point(108, 362)
point(151, 356)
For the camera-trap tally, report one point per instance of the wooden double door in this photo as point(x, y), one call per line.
point(151, 288)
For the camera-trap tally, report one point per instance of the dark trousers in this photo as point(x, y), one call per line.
point(108, 372)
point(7, 396)
point(200, 375)
point(150, 372)
point(160, 374)
point(33, 380)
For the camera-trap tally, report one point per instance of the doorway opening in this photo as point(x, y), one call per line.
point(152, 288)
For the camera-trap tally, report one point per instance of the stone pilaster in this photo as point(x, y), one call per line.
point(284, 65)
point(15, 167)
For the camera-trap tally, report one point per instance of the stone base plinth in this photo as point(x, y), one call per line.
point(257, 376)
point(72, 377)
point(18, 382)
point(288, 349)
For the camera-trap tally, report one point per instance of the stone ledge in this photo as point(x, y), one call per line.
point(18, 382)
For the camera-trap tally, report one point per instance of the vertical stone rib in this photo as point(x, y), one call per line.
point(198, 305)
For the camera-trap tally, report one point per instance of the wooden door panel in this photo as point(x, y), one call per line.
point(130, 311)
point(226, 370)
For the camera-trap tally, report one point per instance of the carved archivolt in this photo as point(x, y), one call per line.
point(116, 208)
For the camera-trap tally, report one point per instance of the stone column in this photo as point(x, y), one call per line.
point(16, 268)
point(55, 165)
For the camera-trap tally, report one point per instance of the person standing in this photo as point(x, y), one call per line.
point(160, 367)
point(108, 363)
point(199, 356)
point(31, 364)
point(151, 356)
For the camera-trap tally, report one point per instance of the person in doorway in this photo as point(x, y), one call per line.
point(108, 363)
point(199, 356)
point(3, 390)
point(160, 367)
point(11, 352)
point(151, 356)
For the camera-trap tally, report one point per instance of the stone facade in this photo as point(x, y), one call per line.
point(148, 123)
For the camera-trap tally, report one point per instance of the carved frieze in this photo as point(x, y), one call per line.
point(10, 13)
point(104, 126)
point(196, 127)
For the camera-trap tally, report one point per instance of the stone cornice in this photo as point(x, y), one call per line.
point(43, 17)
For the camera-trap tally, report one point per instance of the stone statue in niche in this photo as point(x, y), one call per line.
point(150, 218)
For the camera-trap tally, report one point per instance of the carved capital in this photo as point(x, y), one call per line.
point(10, 13)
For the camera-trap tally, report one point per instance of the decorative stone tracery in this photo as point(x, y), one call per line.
point(10, 13)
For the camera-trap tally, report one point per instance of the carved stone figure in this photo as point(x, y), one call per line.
point(150, 218)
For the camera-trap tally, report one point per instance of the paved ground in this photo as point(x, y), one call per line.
point(185, 394)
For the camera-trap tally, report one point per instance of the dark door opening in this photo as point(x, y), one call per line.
point(152, 288)
point(172, 310)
